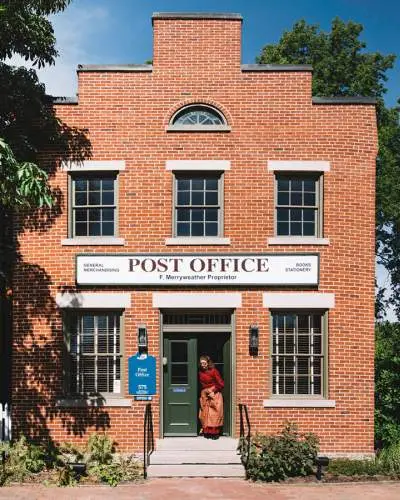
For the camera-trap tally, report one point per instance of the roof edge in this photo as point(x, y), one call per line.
point(227, 16)
point(63, 100)
point(344, 100)
point(276, 67)
point(144, 68)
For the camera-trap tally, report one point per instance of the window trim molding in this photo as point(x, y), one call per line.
point(93, 402)
point(297, 402)
point(197, 240)
point(198, 165)
point(93, 165)
point(88, 300)
point(298, 165)
point(293, 300)
point(93, 240)
point(297, 240)
point(199, 300)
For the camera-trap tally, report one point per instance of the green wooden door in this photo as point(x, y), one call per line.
point(180, 385)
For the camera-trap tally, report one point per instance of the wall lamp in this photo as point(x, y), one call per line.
point(142, 339)
point(253, 340)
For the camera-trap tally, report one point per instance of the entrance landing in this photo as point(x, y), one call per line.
point(196, 457)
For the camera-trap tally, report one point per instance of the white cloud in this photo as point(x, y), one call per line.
point(74, 29)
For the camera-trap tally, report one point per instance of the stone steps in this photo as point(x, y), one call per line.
point(195, 457)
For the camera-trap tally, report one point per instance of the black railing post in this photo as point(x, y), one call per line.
point(148, 438)
point(245, 438)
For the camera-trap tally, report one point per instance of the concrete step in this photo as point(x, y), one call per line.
point(195, 457)
point(196, 443)
point(196, 470)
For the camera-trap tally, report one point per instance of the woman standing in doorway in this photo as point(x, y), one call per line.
point(211, 412)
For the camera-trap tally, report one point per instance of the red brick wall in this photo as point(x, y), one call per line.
point(272, 118)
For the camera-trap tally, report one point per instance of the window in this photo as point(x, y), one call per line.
point(93, 205)
point(198, 115)
point(298, 205)
point(298, 346)
point(198, 205)
point(94, 353)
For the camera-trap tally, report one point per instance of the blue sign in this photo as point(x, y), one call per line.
point(142, 375)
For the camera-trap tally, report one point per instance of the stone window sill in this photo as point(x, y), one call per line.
point(197, 241)
point(95, 402)
point(297, 240)
point(299, 403)
point(95, 240)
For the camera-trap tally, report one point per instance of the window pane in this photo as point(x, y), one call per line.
point(183, 184)
point(309, 185)
point(283, 198)
point(211, 229)
point(94, 215)
point(80, 215)
point(94, 198)
point(283, 229)
point(197, 198)
point(308, 215)
point(295, 229)
point(211, 215)
point(80, 184)
point(295, 214)
point(94, 229)
point(183, 198)
point(283, 214)
point(94, 184)
point(198, 215)
point(211, 198)
point(212, 184)
point(107, 214)
point(107, 198)
point(296, 185)
point(183, 214)
point(179, 352)
point(107, 184)
point(108, 228)
point(183, 229)
point(198, 184)
point(283, 184)
point(179, 373)
point(309, 199)
point(197, 229)
point(308, 229)
point(296, 199)
point(80, 198)
point(81, 229)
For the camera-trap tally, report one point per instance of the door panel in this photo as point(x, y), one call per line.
point(180, 385)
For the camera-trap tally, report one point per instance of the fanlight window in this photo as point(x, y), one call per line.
point(198, 116)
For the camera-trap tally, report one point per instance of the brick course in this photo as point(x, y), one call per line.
point(272, 117)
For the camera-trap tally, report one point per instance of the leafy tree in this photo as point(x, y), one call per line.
point(387, 383)
point(342, 67)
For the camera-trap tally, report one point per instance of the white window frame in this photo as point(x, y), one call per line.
point(176, 127)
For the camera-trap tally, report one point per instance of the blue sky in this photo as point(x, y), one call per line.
point(119, 31)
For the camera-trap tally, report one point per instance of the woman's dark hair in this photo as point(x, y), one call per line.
point(210, 363)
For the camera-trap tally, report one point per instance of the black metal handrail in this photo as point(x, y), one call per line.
point(245, 440)
point(148, 438)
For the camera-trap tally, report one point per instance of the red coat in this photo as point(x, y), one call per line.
point(210, 378)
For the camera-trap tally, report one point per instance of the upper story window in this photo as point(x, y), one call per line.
point(198, 205)
point(199, 118)
point(298, 205)
point(93, 205)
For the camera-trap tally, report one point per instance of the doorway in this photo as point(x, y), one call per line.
point(184, 340)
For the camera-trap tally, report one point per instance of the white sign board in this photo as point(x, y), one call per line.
point(196, 269)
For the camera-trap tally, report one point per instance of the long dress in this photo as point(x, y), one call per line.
point(211, 413)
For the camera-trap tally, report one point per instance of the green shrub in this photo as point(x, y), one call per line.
point(389, 459)
point(348, 467)
point(276, 458)
point(100, 449)
point(121, 469)
point(23, 459)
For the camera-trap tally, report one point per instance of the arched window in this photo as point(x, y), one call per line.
point(198, 117)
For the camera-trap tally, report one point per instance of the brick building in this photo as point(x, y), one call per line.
point(223, 211)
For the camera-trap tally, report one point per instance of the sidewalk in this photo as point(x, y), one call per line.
point(210, 489)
